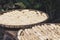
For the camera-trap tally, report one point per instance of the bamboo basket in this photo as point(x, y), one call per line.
point(46, 31)
point(23, 26)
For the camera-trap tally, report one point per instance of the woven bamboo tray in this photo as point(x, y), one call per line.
point(23, 26)
point(40, 32)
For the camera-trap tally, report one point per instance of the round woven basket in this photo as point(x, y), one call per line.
point(22, 25)
point(40, 32)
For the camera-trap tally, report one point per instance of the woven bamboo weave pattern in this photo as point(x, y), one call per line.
point(40, 32)
point(22, 17)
